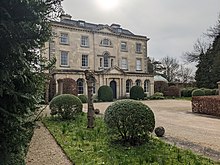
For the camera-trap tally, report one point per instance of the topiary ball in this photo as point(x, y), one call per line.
point(198, 92)
point(105, 93)
point(159, 131)
point(137, 93)
point(83, 98)
point(66, 106)
point(130, 120)
point(97, 111)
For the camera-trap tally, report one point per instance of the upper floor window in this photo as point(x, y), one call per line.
point(64, 58)
point(106, 42)
point(124, 46)
point(106, 61)
point(138, 47)
point(100, 62)
point(85, 41)
point(124, 63)
point(64, 38)
point(138, 64)
point(85, 60)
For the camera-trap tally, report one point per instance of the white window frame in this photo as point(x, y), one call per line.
point(138, 47)
point(64, 54)
point(138, 64)
point(123, 46)
point(64, 38)
point(85, 41)
point(85, 60)
point(124, 63)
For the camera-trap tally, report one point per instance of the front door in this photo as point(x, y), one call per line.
point(113, 85)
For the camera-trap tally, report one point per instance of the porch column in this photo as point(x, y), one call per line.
point(60, 86)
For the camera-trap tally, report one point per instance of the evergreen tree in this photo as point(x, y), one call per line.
point(24, 28)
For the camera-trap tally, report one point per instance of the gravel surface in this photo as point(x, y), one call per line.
point(44, 150)
point(199, 133)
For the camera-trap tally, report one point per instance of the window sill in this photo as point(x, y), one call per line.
point(65, 66)
point(138, 52)
point(84, 46)
point(124, 50)
point(85, 67)
point(64, 44)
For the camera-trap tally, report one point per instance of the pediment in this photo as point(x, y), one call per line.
point(115, 70)
point(105, 30)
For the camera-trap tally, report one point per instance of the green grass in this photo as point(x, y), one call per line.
point(93, 147)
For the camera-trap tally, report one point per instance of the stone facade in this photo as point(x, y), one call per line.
point(116, 56)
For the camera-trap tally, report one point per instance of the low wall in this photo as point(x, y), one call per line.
point(209, 105)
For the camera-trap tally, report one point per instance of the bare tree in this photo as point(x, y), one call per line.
point(185, 74)
point(171, 66)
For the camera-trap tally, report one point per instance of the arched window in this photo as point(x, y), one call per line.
point(138, 82)
point(146, 85)
point(128, 85)
point(106, 60)
point(106, 42)
point(80, 85)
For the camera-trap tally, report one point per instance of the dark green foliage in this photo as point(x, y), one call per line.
point(159, 131)
point(24, 28)
point(83, 98)
point(157, 96)
point(66, 106)
point(198, 92)
point(97, 111)
point(208, 92)
point(187, 92)
point(130, 120)
point(105, 93)
point(160, 86)
point(137, 93)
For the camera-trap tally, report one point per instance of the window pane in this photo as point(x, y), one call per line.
point(64, 38)
point(123, 46)
point(124, 63)
point(64, 58)
point(84, 60)
point(105, 61)
point(80, 86)
point(138, 47)
point(128, 86)
point(138, 64)
point(84, 41)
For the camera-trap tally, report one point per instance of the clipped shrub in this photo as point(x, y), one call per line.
point(66, 106)
point(187, 92)
point(137, 93)
point(105, 93)
point(198, 92)
point(83, 98)
point(130, 120)
point(172, 91)
point(159, 131)
point(160, 86)
point(97, 111)
point(157, 96)
point(207, 92)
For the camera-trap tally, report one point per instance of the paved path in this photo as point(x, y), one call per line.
point(198, 132)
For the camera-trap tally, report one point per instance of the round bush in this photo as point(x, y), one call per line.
point(157, 96)
point(137, 93)
point(97, 111)
point(159, 131)
point(198, 92)
point(83, 98)
point(105, 93)
point(130, 120)
point(66, 106)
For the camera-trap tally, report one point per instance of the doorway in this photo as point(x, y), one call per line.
point(113, 85)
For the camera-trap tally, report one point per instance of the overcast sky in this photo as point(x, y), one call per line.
point(173, 26)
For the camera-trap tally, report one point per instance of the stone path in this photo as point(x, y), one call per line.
point(197, 132)
point(44, 150)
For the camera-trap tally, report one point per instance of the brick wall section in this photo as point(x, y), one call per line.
point(209, 105)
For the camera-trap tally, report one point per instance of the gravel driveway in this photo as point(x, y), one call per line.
point(200, 133)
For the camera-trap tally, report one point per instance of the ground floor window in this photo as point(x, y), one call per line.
point(138, 82)
point(128, 85)
point(80, 84)
point(146, 85)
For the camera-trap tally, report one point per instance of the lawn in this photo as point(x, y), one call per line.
point(93, 146)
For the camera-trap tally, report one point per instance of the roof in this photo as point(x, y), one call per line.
point(115, 28)
point(160, 78)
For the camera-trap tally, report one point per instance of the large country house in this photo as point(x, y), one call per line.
point(117, 57)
